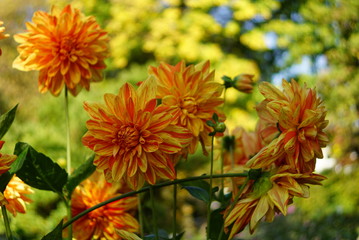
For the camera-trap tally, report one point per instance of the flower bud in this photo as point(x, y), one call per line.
point(220, 127)
point(244, 83)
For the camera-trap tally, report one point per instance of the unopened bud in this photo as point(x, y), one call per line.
point(220, 127)
point(244, 83)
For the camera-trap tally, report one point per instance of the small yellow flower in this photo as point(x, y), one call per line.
point(15, 196)
point(103, 222)
point(66, 47)
point(192, 96)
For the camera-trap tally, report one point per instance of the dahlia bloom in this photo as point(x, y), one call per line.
point(299, 116)
point(2, 35)
point(15, 196)
point(269, 194)
point(5, 160)
point(103, 222)
point(133, 137)
point(66, 47)
point(192, 96)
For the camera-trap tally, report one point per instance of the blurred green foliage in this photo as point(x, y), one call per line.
point(262, 37)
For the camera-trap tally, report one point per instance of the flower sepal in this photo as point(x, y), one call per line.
point(218, 127)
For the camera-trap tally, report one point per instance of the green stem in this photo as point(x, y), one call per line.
point(222, 151)
point(222, 168)
point(210, 192)
point(154, 214)
point(233, 205)
point(140, 215)
point(174, 211)
point(145, 189)
point(68, 144)
point(68, 155)
point(7, 223)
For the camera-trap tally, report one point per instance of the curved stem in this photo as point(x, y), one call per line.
point(210, 192)
point(154, 214)
point(144, 189)
point(7, 223)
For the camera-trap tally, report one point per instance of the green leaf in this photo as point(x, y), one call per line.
point(215, 117)
point(4, 180)
point(55, 234)
point(198, 189)
point(226, 78)
point(216, 223)
point(6, 120)
point(21, 151)
point(39, 171)
point(80, 174)
point(210, 123)
point(15, 166)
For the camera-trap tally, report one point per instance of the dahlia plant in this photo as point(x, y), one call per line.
point(140, 135)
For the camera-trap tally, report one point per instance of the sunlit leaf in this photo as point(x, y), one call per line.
point(39, 171)
point(6, 120)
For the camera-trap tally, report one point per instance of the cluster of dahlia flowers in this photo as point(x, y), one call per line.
point(140, 134)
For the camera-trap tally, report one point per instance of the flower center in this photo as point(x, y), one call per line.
point(189, 105)
point(67, 49)
point(128, 137)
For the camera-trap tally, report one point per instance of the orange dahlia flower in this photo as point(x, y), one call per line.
point(299, 117)
point(15, 196)
point(2, 35)
point(192, 96)
point(5, 160)
point(66, 47)
point(103, 222)
point(133, 137)
point(269, 194)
